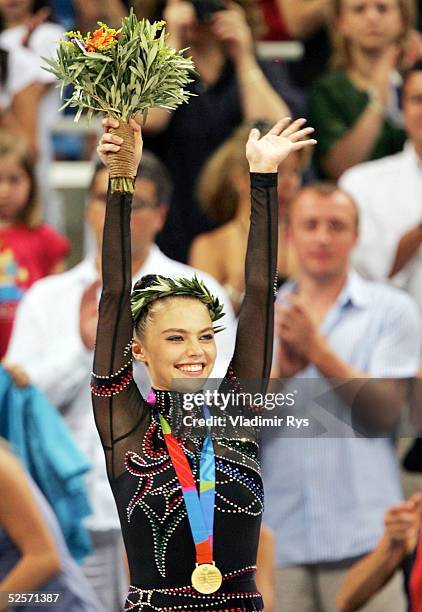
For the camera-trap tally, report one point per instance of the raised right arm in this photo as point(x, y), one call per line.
point(117, 402)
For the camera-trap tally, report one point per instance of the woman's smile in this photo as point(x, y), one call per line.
point(191, 369)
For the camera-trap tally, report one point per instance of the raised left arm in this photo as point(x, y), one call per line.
point(253, 352)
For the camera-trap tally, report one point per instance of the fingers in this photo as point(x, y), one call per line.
point(254, 134)
point(293, 132)
point(109, 143)
point(302, 144)
point(291, 129)
point(135, 125)
point(301, 134)
point(401, 518)
point(111, 139)
point(297, 135)
point(416, 499)
point(234, 6)
point(296, 303)
point(228, 23)
point(109, 122)
point(107, 148)
point(280, 126)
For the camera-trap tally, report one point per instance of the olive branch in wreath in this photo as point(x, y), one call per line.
point(173, 287)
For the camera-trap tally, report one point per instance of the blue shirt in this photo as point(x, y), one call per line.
point(326, 495)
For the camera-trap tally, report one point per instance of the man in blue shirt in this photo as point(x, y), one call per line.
point(327, 487)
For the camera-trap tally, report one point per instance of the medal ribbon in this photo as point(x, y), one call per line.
point(199, 508)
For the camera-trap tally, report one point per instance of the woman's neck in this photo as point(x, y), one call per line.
point(362, 64)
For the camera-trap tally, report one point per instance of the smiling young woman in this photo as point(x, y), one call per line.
point(186, 551)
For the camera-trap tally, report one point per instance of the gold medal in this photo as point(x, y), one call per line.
point(206, 578)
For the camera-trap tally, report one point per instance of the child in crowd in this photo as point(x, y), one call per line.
point(29, 249)
point(28, 25)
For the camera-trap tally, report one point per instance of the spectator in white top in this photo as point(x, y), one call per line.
point(53, 339)
point(389, 195)
point(28, 24)
point(19, 93)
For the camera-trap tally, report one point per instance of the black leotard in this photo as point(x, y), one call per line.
point(152, 512)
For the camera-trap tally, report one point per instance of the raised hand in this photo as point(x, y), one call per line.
point(231, 28)
point(266, 153)
point(110, 143)
point(381, 73)
point(403, 521)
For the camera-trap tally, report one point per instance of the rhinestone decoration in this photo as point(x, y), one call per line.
point(236, 466)
point(106, 386)
point(140, 599)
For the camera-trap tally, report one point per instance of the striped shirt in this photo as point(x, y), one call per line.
point(326, 490)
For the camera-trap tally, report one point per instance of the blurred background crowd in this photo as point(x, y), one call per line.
point(343, 508)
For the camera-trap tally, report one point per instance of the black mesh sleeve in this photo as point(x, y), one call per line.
point(254, 341)
point(118, 405)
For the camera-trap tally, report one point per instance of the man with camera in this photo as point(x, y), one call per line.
point(231, 87)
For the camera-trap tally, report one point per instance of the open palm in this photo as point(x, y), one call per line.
point(266, 154)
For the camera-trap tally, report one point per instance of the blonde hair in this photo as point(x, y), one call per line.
point(216, 192)
point(340, 57)
point(13, 145)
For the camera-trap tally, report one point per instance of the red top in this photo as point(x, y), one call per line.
point(416, 580)
point(273, 18)
point(26, 255)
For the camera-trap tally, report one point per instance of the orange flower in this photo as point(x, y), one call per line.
point(101, 40)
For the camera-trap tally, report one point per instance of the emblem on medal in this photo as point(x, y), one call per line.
point(206, 578)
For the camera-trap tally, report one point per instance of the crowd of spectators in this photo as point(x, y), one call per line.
point(338, 534)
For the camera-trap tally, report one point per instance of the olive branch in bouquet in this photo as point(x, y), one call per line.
point(122, 73)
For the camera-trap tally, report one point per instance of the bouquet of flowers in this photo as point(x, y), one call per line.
point(122, 73)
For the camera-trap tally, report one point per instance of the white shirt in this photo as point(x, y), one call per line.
point(42, 43)
point(326, 487)
point(388, 193)
point(22, 71)
point(46, 343)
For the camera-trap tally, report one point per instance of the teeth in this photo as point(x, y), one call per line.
point(191, 368)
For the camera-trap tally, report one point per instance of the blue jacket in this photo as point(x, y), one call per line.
point(42, 441)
